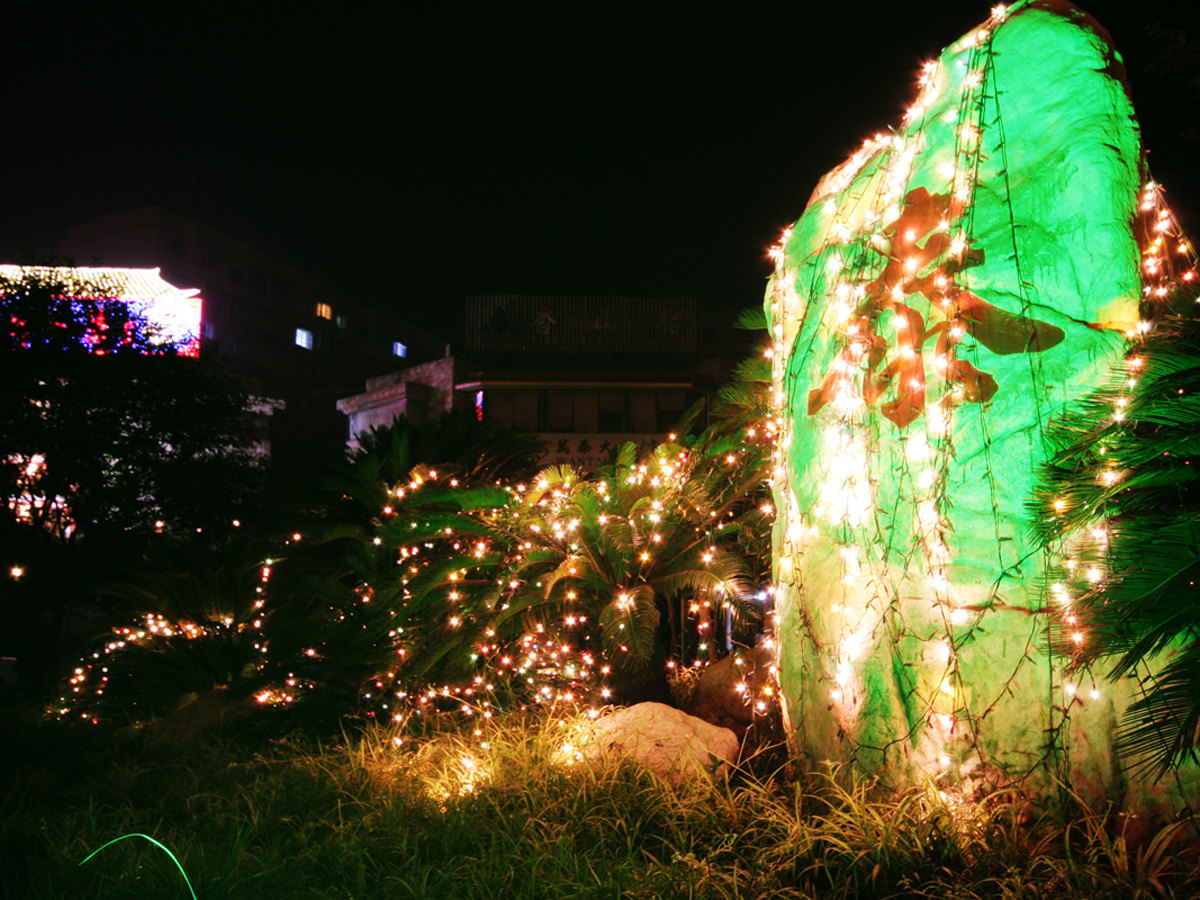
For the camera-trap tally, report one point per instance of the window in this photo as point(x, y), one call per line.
point(304, 338)
point(399, 349)
point(510, 409)
point(340, 321)
point(324, 311)
point(525, 410)
point(611, 415)
point(560, 407)
point(178, 245)
point(671, 405)
point(643, 413)
point(499, 409)
point(587, 412)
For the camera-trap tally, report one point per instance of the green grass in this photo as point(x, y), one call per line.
point(440, 815)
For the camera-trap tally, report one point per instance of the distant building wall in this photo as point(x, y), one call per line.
point(420, 394)
point(585, 374)
point(590, 325)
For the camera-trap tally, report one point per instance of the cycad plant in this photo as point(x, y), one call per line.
point(744, 419)
point(745, 401)
point(190, 637)
point(1121, 496)
point(457, 445)
point(564, 585)
point(342, 619)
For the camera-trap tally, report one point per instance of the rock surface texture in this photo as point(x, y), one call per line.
point(665, 740)
point(726, 690)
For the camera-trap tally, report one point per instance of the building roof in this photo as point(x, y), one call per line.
point(119, 283)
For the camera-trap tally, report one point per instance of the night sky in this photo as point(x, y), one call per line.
point(420, 155)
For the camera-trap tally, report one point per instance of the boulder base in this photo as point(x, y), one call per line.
point(718, 699)
point(665, 740)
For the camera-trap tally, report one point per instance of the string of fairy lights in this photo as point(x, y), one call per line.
point(514, 583)
point(1079, 555)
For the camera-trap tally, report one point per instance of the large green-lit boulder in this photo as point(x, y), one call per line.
point(950, 288)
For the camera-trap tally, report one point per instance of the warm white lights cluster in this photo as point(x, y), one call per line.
point(29, 503)
point(93, 677)
point(521, 652)
point(1168, 256)
point(1168, 261)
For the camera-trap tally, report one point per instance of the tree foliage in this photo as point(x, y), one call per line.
point(1121, 496)
point(107, 436)
point(105, 429)
point(437, 566)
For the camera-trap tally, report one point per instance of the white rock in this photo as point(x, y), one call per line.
point(665, 740)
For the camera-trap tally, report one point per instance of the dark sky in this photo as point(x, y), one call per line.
point(420, 155)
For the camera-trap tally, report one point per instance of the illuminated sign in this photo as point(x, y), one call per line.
point(170, 315)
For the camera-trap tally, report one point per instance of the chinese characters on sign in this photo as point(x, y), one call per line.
point(587, 451)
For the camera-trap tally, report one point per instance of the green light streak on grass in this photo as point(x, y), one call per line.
point(161, 846)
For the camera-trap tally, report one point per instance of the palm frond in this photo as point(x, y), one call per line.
point(752, 318)
point(1125, 457)
point(1163, 724)
point(629, 626)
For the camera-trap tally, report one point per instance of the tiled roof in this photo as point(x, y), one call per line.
point(126, 284)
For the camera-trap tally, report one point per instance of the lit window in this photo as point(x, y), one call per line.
point(399, 349)
point(341, 321)
point(324, 310)
point(304, 338)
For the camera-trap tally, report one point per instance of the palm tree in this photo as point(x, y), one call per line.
point(1122, 493)
point(342, 618)
point(194, 642)
point(569, 577)
point(458, 445)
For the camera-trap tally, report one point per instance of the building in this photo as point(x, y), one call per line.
point(419, 393)
point(294, 338)
point(586, 374)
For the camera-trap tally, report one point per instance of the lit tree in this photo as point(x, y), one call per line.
point(107, 436)
point(103, 427)
point(563, 582)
